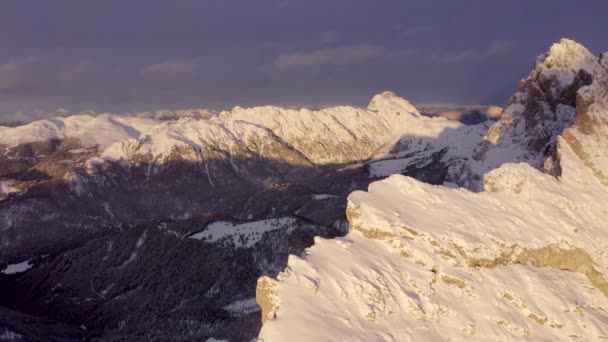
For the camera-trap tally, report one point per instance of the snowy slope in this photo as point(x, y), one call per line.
point(100, 130)
point(422, 262)
point(17, 268)
point(526, 259)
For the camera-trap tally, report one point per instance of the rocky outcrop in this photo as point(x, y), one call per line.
point(548, 101)
point(591, 124)
point(266, 297)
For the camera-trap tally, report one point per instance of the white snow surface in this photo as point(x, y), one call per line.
point(320, 197)
point(430, 135)
point(100, 130)
point(6, 187)
point(243, 235)
point(9, 335)
point(18, 268)
point(565, 59)
point(525, 260)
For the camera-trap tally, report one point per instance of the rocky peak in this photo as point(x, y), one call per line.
point(567, 54)
point(389, 102)
point(545, 104)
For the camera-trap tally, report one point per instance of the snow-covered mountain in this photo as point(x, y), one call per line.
point(88, 157)
point(329, 136)
point(524, 258)
point(157, 226)
point(176, 219)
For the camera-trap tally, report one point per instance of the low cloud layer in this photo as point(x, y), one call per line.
point(347, 55)
point(496, 48)
point(171, 70)
point(368, 53)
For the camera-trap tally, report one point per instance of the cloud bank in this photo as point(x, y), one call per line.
point(346, 55)
point(170, 70)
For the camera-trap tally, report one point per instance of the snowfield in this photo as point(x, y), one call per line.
point(6, 188)
point(18, 268)
point(242, 235)
point(100, 130)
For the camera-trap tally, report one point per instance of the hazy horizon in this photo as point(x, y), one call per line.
point(151, 55)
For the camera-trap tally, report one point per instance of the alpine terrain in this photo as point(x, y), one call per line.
point(519, 252)
point(157, 227)
point(253, 223)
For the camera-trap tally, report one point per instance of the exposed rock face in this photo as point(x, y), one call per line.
point(470, 115)
point(266, 297)
point(591, 124)
point(525, 258)
point(547, 102)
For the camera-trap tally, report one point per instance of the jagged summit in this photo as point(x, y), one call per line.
point(546, 103)
point(390, 102)
point(568, 54)
point(384, 101)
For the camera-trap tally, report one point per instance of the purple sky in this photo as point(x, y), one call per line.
point(132, 55)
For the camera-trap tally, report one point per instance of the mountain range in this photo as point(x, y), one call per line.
point(190, 227)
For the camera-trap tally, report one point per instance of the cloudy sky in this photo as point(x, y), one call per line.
point(131, 55)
